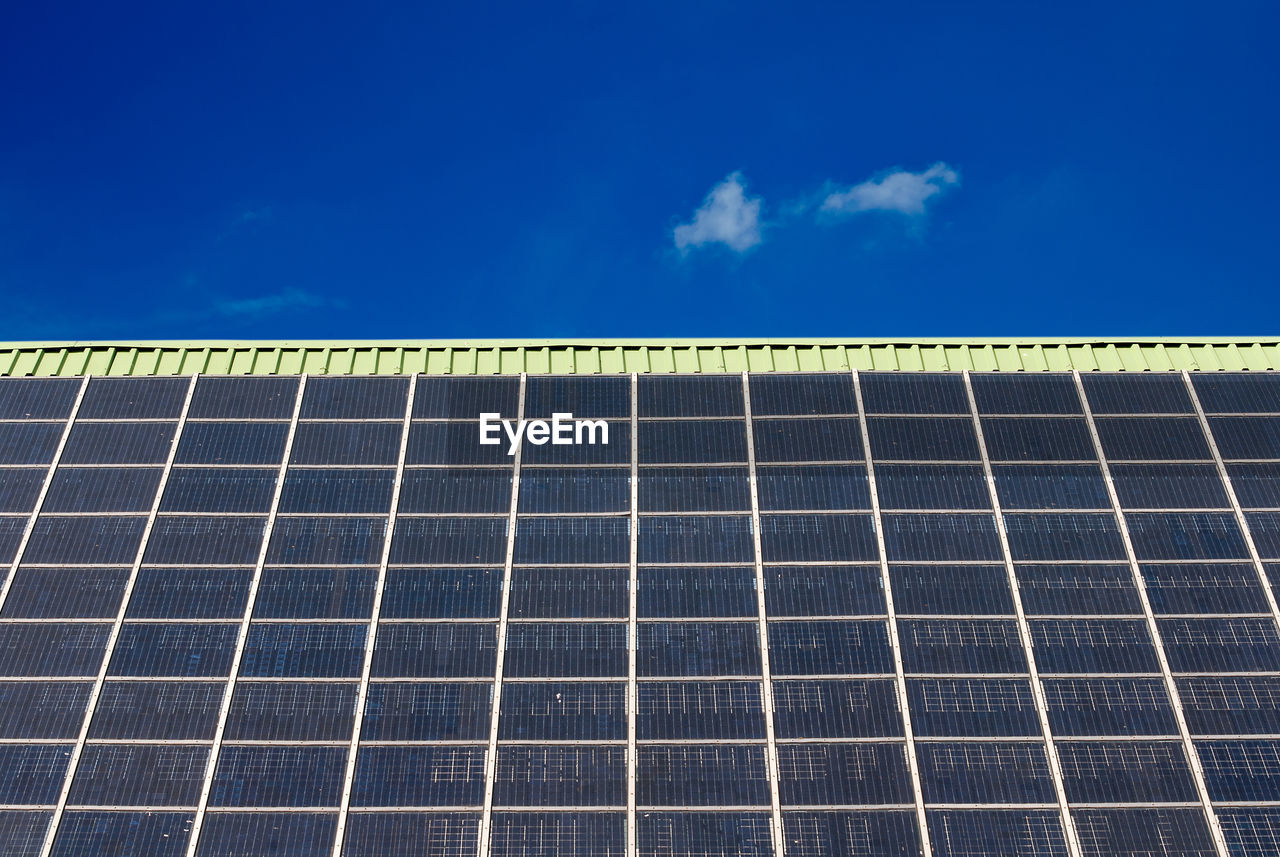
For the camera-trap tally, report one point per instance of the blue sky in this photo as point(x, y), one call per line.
point(473, 170)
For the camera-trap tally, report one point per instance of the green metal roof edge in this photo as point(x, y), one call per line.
point(659, 356)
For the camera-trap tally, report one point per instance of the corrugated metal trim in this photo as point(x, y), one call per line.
point(612, 357)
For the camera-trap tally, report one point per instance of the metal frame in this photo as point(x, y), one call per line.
point(1153, 628)
point(633, 628)
point(1024, 632)
point(242, 638)
point(772, 770)
point(117, 626)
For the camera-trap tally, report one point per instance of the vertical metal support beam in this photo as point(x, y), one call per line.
point(1234, 500)
point(766, 674)
point(1024, 632)
point(225, 711)
point(7, 583)
point(116, 627)
point(1193, 758)
point(344, 806)
point(491, 755)
point(899, 671)
point(633, 625)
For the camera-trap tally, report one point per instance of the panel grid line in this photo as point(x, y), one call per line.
point(242, 638)
point(491, 754)
point(44, 492)
point(117, 627)
point(766, 676)
point(366, 671)
point(633, 631)
point(1024, 632)
point(895, 643)
point(1189, 747)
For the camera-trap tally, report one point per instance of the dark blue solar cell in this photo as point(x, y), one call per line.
point(694, 489)
point(1056, 536)
point(1246, 437)
point(219, 489)
point(560, 776)
point(566, 649)
point(1221, 645)
point(267, 834)
point(449, 540)
point(1237, 392)
point(972, 707)
point(261, 398)
point(137, 834)
point(702, 775)
point(11, 530)
point(355, 398)
point(932, 486)
point(19, 489)
point(42, 709)
point(347, 490)
point(1257, 485)
point(1051, 486)
point(430, 711)
point(232, 443)
point(684, 710)
point(816, 538)
point(174, 650)
point(913, 393)
point(464, 398)
point(456, 490)
point(66, 593)
point(436, 650)
point(706, 834)
point(1034, 393)
point(1125, 772)
point(1093, 646)
point(996, 833)
point(826, 487)
point(1109, 706)
point(809, 393)
point(961, 646)
point(951, 589)
point(563, 711)
point(698, 648)
point(52, 649)
point(157, 710)
point(411, 834)
point(1231, 705)
point(941, 537)
point(75, 541)
point(1112, 393)
point(419, 776)
point(837, 708)
point(1265, 529)
point(180, 540)
point(923, 439)
point(577, 489)
point(1049, 590)
point(595, 442)
point(1204, 588)
point(1169, 486)
point(829, 648)
point(689, 396)
point(346, 443)
point(279, 776)
point(1042, 439)
point(666, 593)
point(568, 593)
point(302, 650)
point(291, 711)
point(315, 593)
point(1166, 830)
point(102, 489)
point(340, 541)
point(809, 590)
point(876, 833)
point(1241, 770)
point(37, 398)
point(843, 774)
point(691, 441)
point(1152, 438)
point(31, 774)
point(1250, 831)
point(133, 398)
point(583, 397)
point(572, 540)
point(459, 443)
point(30, 443)
point(807, 440)
point(190, 593)
point(23, 831)
point(558, 834)
point(985, 772)
point(139, 775)
point(442, 593)
point(1186, 535)
point(711, 538)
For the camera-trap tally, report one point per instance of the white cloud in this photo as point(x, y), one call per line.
point(280, 302)
point(901, 191)
point(727, 216)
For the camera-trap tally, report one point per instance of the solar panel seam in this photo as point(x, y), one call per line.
point(206, 788)
point(114, 636)
point(1189, 748)
point(633, 609)
point(1024, 632)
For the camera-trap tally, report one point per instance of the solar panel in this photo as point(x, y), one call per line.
point(256, 615)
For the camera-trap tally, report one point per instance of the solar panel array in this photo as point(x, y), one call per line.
point(812, 614)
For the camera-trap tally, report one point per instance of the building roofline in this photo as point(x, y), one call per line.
point(656, 356)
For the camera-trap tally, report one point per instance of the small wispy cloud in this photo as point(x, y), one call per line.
point(901, 191)
point(727, 216)
point(273, 304)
